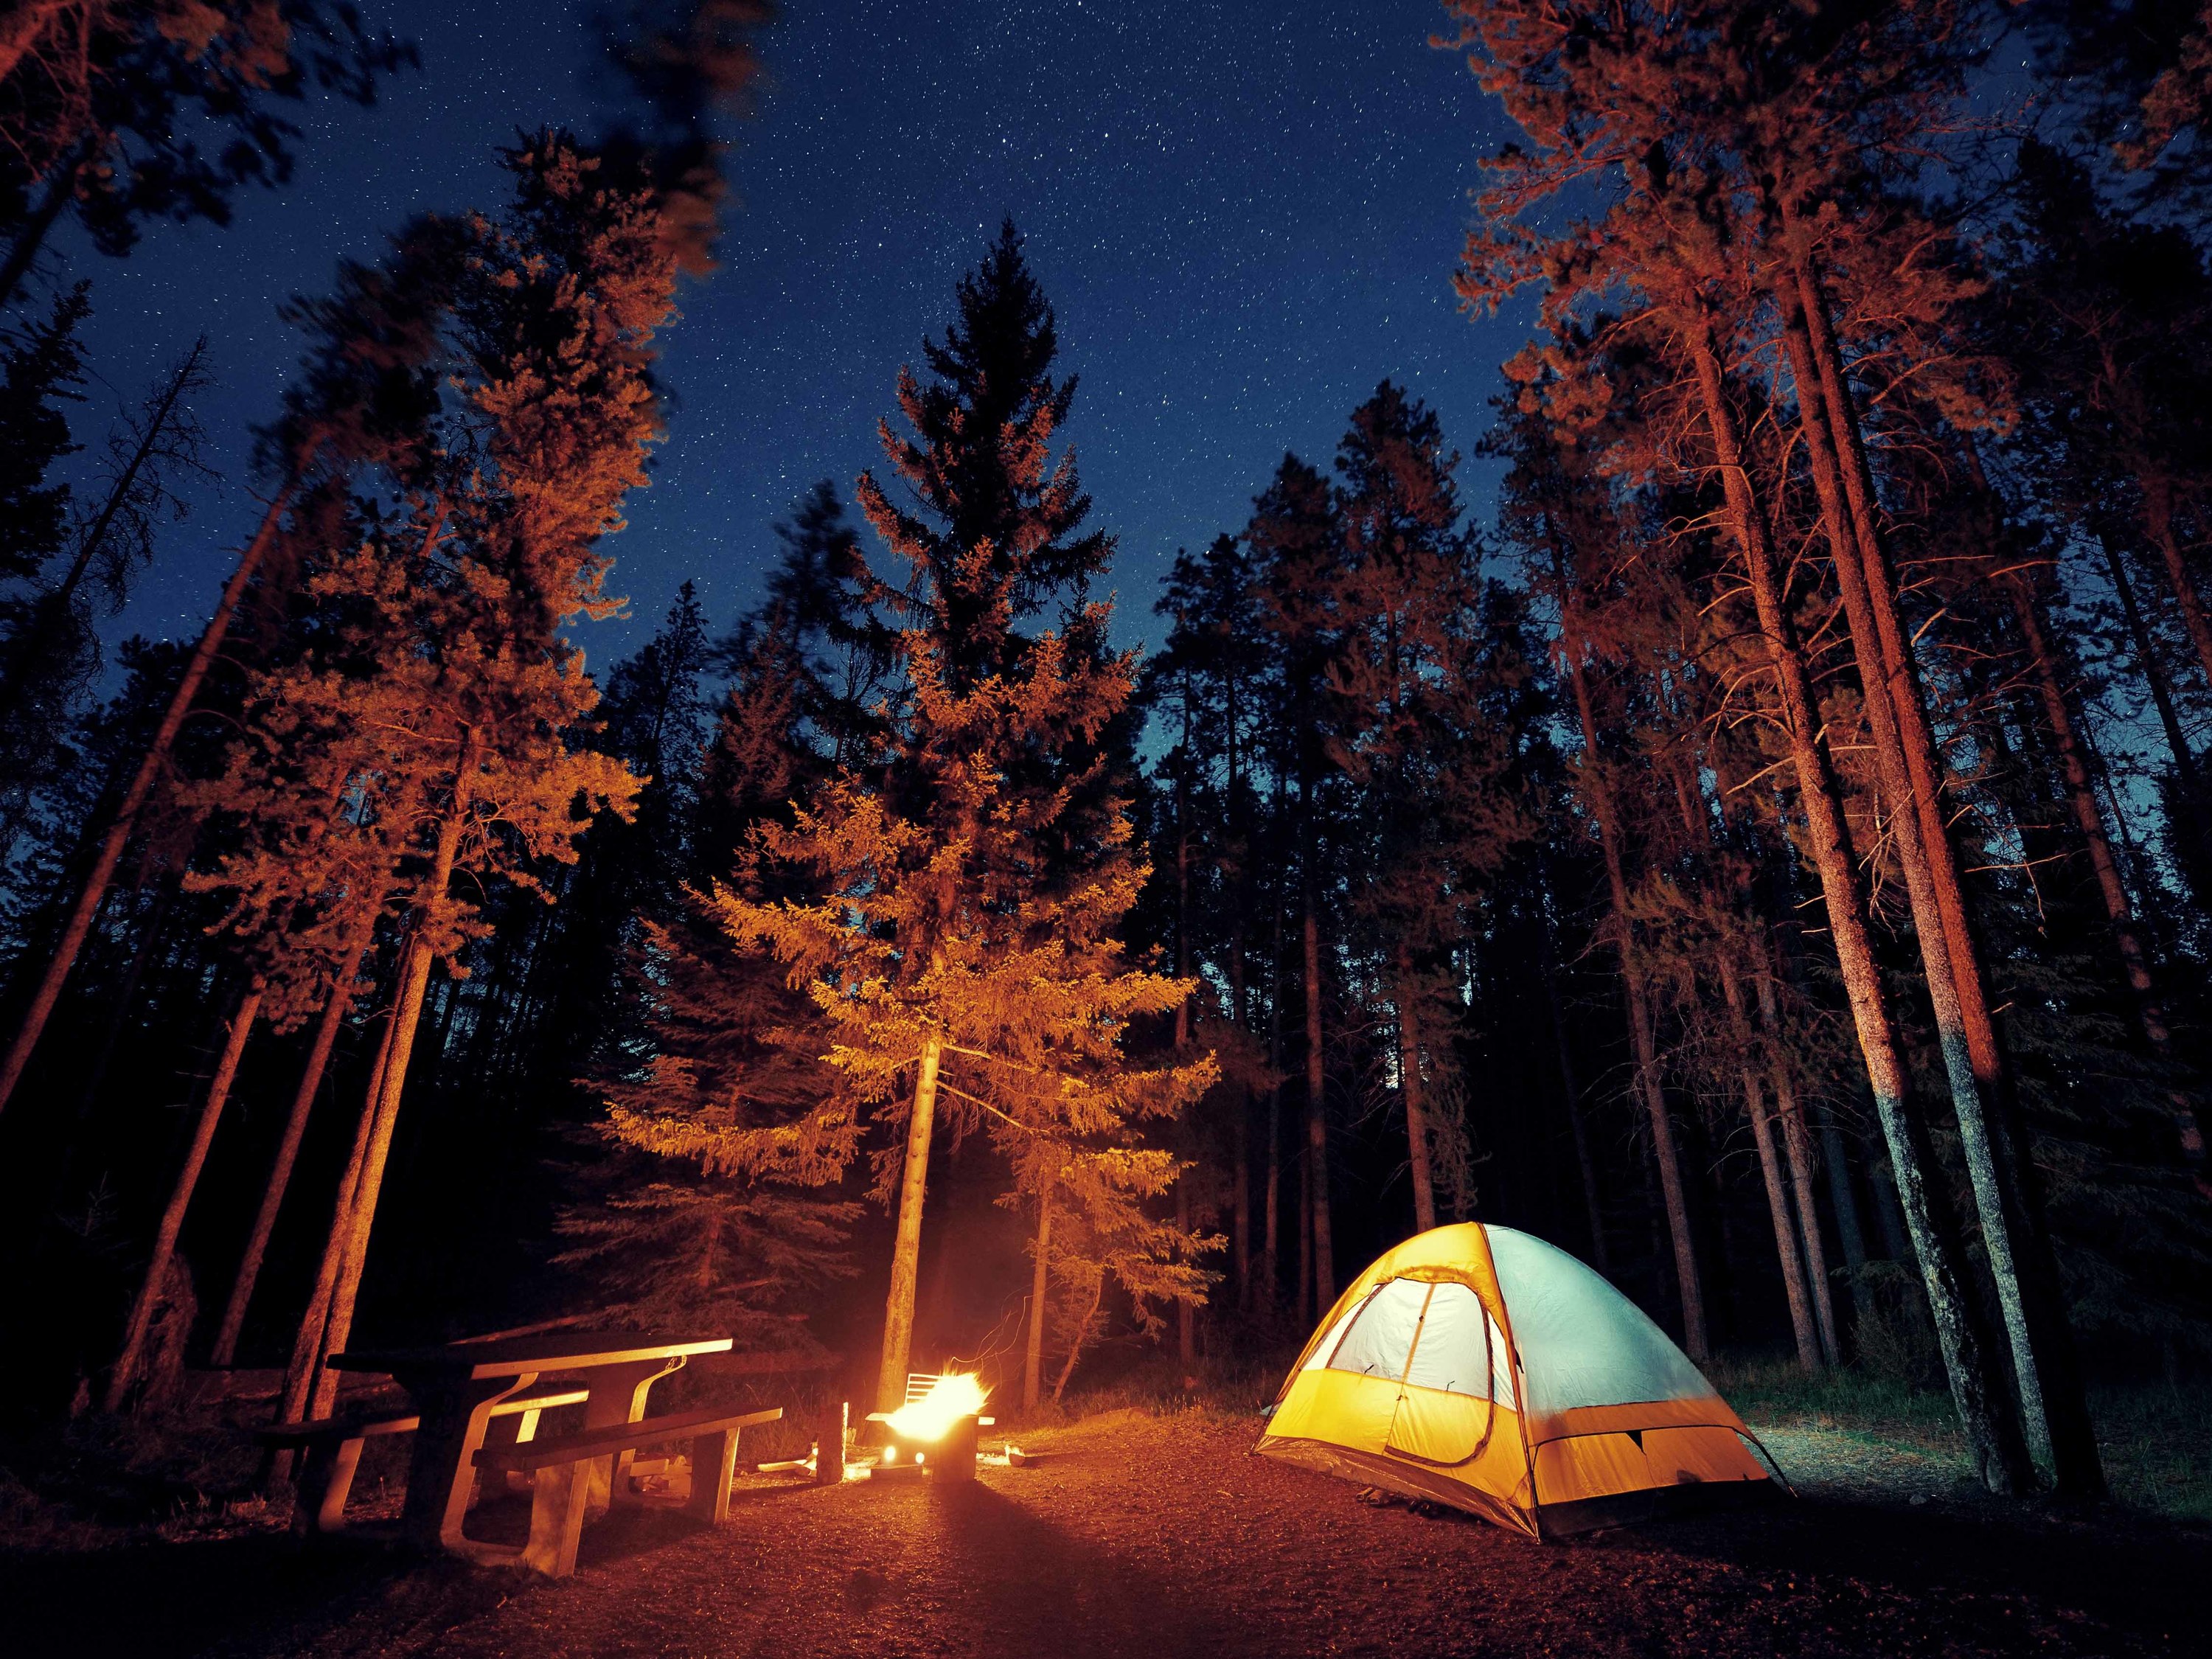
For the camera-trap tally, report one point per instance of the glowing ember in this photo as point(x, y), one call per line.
point(951, 1397)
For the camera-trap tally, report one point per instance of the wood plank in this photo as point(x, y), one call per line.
point(624, 1436)
point(552, 1351)
point(334, 1428)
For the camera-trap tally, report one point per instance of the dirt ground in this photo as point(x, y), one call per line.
point(1159, 1537)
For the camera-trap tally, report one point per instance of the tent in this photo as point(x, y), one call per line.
point(1480, 1367)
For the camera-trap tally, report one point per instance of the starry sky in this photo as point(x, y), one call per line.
point(1245, 215)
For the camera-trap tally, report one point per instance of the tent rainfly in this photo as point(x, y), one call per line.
point(1477, 1366)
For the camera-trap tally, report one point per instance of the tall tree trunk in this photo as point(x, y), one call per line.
point(1798, 1145)
point(906, 1254)
point(2082, 796)
point(1186, 1313)
point(1271, 1204)
point(406, 1017)
point(1992, 1433)
point(1303, 1306)
point(1641, 1031)
point(1802, 1324)
point(1417, 1116)
point(79, 924)
point(127, 1363)
point(309, 1347)
point(354, 947)
point(1797, 1149)
point(47, 608)
point(1082, 1335)
point(1892, 702)
point(87, 1099)
point(2154, 672)
point(1240, 1139)
point(1585, 1158)
point(1324, 1261)
point(1040, 1285)
point(2054, 1405)
point(2158, 519)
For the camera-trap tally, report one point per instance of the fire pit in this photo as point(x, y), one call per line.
point(935, 1431)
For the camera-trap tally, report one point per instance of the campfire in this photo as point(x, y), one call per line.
point(937, 1425)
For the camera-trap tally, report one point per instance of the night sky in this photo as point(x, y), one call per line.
point(1245, 215)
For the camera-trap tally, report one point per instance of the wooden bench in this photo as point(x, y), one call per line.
point(332, 1447)
point(560, 1469)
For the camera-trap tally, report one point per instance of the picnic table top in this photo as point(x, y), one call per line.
point(548, 1351)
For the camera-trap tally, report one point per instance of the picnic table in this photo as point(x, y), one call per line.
point(455, 1386)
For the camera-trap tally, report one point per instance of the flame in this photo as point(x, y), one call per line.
point(952, 1396)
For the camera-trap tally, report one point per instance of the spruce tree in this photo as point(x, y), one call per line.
point(963, 937)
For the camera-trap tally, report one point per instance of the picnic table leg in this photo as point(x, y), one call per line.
point(617, 1396)
point(714, 1466)
point(510, 1429)
point(556, 1517)
point(319, 1496)
point(455, 1413)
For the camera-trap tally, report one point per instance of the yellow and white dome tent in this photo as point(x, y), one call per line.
point(1481, 1367)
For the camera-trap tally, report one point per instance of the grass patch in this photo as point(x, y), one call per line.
point(102, 1480)
point(2156, 1438)
point(1225, 1388)
point(1773, 1391)
point(2157, 1443)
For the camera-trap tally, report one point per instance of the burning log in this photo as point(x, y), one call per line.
point(936, 1429)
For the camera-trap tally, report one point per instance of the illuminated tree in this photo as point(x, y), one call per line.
point(960, 934)
point(1658, 105)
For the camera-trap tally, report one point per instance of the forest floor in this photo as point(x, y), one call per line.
point(1156, 1535)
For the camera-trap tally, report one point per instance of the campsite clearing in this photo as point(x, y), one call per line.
point(1160, 1535)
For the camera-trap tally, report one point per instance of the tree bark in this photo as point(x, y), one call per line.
point(1643, 1045)
point(79, 924)
point(2082, 796)
point(295, 1129)
point(1892, 708)
point(2161, 694)
point(180, 1197)
point(2053, 1404)
point(1271, 1199)
point(1186, 1315)
point(1240, 1196)
point(308, 1348)
point(87, 1099)
point(406, 1017)
point(1324, 1261)
point(906, 1254)
point(2158, 519)
point(1417, 1117)
point(1585, 1158)
point(1992, 1434)
point(1082, 1335)
point(1798, 1145)
point(1040, 1284)
point(55, 602)
point(1802, 1324)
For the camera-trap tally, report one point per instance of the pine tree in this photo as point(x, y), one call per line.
point(1298, 548)
point(962, 928)
point(1416, 674)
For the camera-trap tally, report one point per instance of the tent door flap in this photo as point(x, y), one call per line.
point(1444, 1413)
